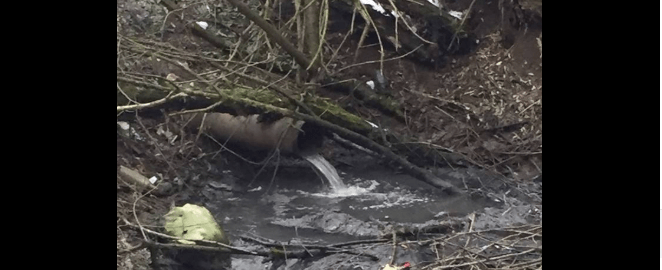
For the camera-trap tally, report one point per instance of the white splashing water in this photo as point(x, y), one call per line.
point(325, 170)
point(349, 191)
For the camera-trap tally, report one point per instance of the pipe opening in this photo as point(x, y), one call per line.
point(310, 138)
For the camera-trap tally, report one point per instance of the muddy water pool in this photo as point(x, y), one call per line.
point(298, 204)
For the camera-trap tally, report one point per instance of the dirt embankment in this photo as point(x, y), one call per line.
point(484, 104)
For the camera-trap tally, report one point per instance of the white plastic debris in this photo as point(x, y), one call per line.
point(371, 124)
point(255, 189)
point(203, 25)
point(123, 125)
point(434, 2)
point(456, 14)
point(374, 5)
point(371, 84)
point(153, 180)
point(125, 129)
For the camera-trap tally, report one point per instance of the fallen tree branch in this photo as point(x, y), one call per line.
point(223, 248)
point(273, 253)
point(150, 104)
point(306, 247)
point(337, 245)
point(360, 242)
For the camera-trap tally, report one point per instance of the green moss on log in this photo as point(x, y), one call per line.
point(339, 116)
point(235, 98)
point(321, 106)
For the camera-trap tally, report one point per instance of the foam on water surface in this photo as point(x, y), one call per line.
point(349, 191)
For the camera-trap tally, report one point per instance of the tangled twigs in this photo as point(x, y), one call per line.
point(205, 245)
point(274, 87)
point(143, 84)
point(272, 33)
point(473, 262)
point(229, 96)
point(359, 139)
point(318, 72)
point(504, 248)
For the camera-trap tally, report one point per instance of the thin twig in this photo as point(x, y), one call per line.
point(461, 24)
point(132, 249)
point(350, 31)
point(359, 242)
point(395, 247)
point(377, 61)
point(151, 104)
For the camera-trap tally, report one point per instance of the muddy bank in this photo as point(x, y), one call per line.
point(296, 207)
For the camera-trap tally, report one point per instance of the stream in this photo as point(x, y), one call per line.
point(349, 204)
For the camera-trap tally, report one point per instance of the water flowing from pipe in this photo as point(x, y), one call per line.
point(325, 170)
